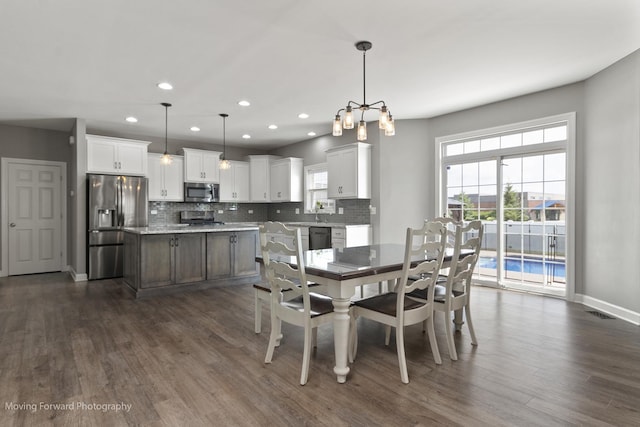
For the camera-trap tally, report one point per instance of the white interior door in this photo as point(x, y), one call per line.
point(34, 217)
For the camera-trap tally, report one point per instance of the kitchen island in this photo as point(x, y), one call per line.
point(176, 258)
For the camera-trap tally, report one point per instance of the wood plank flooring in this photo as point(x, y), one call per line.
point(193, 359)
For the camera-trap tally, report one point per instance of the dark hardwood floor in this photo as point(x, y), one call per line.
point(193, 359)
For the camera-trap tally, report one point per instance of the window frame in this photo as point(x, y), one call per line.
point(330, 206)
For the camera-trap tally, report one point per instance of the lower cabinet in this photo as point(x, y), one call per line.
point(168, 259)
point(156, 264)
point(231, 254)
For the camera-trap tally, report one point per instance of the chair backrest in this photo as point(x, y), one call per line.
point(283, 265)
point(467, 238)
point(451, 225)
point(426, 244)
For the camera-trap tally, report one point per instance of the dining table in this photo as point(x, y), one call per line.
point(341, 271)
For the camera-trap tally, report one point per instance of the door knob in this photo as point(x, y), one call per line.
point(13, 224)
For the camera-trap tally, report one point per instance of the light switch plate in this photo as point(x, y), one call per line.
point(153, 212)
point(250, 211)
point(372, 210)
point(220, 211)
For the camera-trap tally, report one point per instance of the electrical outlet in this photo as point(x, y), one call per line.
point(250, 211)
point(153, 212)
point(220, 211)
point(297, 211)
point(372, 210)
point(340, 211)
point(277, 210)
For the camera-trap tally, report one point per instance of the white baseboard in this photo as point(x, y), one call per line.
point(77, 277)
point(608, 308)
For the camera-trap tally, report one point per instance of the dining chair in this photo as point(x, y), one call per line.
point(455, 293)
point(398, 309)
point(285, 272)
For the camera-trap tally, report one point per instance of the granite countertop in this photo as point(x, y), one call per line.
point(184, 228)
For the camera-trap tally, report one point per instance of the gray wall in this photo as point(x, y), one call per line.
point(611, 178)
point(36, 144)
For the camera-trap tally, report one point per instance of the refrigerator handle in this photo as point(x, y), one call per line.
point(120, 212)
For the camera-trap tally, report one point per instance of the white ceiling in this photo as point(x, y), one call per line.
point(101, 60)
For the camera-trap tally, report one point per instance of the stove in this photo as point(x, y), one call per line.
point(198, 218)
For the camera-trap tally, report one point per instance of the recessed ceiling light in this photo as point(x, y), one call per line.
point(272, 127)
point(165, 86)
point(131, 119)
point(303, 116)
point(195, 129)
point(244, 103)
point(246, 136)
point(311, 134)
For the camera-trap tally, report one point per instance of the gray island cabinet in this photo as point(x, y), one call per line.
point(162, 260)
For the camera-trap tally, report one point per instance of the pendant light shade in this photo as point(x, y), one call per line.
point(224, 163)
point(166, 158)
point(385, 122)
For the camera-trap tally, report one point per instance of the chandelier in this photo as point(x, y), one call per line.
point(224, 163)
point(385, 120)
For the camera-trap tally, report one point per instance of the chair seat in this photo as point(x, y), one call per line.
point(320, 304)
point(386, 303)
point(438, 293)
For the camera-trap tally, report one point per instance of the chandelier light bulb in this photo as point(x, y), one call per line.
point(390, 128)
point(337, 126)
point(348, 118)
point(362, 130)
point(384, 117)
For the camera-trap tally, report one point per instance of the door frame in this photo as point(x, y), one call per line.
point(4, 209)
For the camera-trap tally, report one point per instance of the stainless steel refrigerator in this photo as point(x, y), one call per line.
point(114, 202)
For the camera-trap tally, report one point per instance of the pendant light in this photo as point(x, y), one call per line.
point(224, 163)
point(385, 121)
point(166, 158)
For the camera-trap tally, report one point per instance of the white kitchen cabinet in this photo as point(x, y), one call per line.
point(234, 182)
point(166, 182)
point(116, 156)
point(201, 165)
point(260, 177)
point(349, 171)
point(351, 235)
point(286, 180)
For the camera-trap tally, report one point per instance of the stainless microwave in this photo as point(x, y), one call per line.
point(201, 192)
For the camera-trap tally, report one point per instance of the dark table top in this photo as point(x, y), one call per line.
point(354, 262)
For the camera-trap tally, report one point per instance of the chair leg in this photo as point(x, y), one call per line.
point(432, 341)
point(274, 337)
point(257, 312)
point(314, 337)
point(467, 314)
point(387, 335)
point(306, 356)
point(449, 332)
point(402, 361)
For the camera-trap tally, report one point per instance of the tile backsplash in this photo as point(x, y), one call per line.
point(355, 212)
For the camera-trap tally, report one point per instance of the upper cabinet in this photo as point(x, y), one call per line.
point(349, 171)
point(116, 156)
point(260, 177)
point(286, 180)
point(166, 182)
point(201, 165)
point(234, 182)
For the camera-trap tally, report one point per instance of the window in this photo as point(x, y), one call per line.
point(316, 190)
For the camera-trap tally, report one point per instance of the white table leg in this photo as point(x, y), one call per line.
point(341, 336)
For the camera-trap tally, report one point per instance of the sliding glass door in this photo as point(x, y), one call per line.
point(515, 181)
